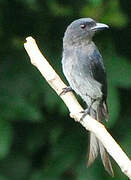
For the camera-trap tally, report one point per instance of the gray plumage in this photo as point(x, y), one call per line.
point(84, 70)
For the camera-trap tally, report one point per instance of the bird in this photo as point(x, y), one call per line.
point(83, 67)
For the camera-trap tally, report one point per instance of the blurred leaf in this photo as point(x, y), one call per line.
point(108, 12)
point(64, 155)
point(113, 105)
point(83, 172)
point(16, 166)
point(17, 43)
point(55, 134)
point(114, 15)
point(51, 99)
point(39, 175)
point(126, 143)
point(19, 108)
point(118, 74)
point(96, 2)
point(32, 4)
point(89, 11)
point(3, 177)
point(36, 139)
point(6, 137)
point(119, 70)
point(59, 9)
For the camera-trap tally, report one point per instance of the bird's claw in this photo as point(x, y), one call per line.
point(85, 112)
point(65, 90)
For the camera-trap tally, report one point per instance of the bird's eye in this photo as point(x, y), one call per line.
point(83, 26)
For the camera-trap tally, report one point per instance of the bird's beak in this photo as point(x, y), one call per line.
point(99, 26)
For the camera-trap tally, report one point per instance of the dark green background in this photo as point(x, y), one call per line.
point(38, 140)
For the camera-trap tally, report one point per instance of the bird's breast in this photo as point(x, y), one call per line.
point(79, 79)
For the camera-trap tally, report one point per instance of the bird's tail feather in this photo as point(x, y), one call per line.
point(105, 159)
point(93, 149)
point(96, 146)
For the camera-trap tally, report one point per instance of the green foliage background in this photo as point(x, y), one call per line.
point(38, 140)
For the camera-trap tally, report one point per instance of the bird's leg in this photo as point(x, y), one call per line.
point(87, 110)
point(65, 90)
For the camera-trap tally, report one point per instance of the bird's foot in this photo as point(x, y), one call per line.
point(65, 90)
point(85, 112)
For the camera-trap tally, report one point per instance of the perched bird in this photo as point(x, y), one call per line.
point(84, 70)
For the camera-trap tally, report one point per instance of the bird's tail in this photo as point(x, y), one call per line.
point(95, 145)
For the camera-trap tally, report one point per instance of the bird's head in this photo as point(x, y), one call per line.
point(82, 29)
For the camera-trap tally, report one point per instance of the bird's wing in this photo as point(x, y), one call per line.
point(91, 65)
point(98, 70)
point(93, 68)
point(99, 74)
